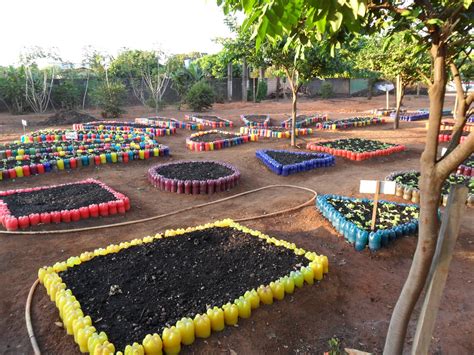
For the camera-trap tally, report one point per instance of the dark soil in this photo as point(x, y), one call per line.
point(360, 213)
point(209, 118)
point(287, 158)
point(410, 179)
point(66, 197)
point(143, 289)
point(126, 124)
point(256, 118)
point(194, 171)
point(357, 145)
point(67, 117)
point(212, 137)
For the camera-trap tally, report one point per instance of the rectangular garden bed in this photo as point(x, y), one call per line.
point(352, 217)
point(176, 287)
point(171, 122)
point(60, 203)
point(413, 116)
point(275, 132)
point(284, 162)
point(347, 123)
point(210, 120)
point(305, 120)
point(356, 148)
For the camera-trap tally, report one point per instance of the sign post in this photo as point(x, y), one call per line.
point(376, 187)
point(24, 123)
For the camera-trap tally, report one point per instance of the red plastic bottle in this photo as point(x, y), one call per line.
point(120, 206)
point(34, 219)
point(195, 187)
point(23, 222)
point(94, 210)
point(84, 212)
point(203, 187)
point(174, 185)
point(103, 209)
point(97, 160)
point(26, 170)
point(12, 173)
point(73, 163)
point(40, 168)
point(11, 223)
point(45, 218)
point(55, 217)
point(75, 215)
point(187, 187)
point(180, 187)
point(66, 216)
point(167, 185)
point(210, 186)
point(112, 207)
point(126, 201)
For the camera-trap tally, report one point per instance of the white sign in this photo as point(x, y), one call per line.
point(24, 123)
point(443, 151)
point(71, 135)
point(370, 187)
point(385, 86)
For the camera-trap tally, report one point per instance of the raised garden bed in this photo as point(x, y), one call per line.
point(387, 112)
point(76, 156)
point(348, 123)
point(171, 122)
point(180, 285)
point(210, 120)
point(157, 131)
point(275, 131)
point(356, 148)
point(352, 217)
point(305, 120)
point(467, 167)
point(284, 162)
point(22, 208)
point(58, 135)
point(449, 125)
point(413, 116)
point(256, 120)
point(214, 140)
point(447, 135)
point(408, 188)
point(194, 177)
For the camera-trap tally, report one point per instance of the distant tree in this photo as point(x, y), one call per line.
point(12, 89)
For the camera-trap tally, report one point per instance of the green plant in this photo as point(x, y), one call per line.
point(334, 346)
point(67, 94)
point(110, 98)
point(326, 90)
point(262, 89)
point(200, 96)
point(12, 89)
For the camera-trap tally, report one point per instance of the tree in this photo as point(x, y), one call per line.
point(442, 28)
point(12, 89)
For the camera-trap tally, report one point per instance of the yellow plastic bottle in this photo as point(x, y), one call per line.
point(265, 294)
point(252, 297)
point(60, 164)
point(186, 328)
point(70, 317)
point(298, 278)
point(171, 340)
point(114, 157)
point(245, 309)
point(153, 344)
point(105, 349)
point(83, 336)
point(19, 171)
point(80, 323)
point(216, 315)
point(231, 314)
point(324, 260)
point(202, 326)
point(288, 284)
point(141, 154)
point(103, 158)
point(278, 290)
point(308, 275)
point(134, 349)
point(95, 340)
point(317, 270)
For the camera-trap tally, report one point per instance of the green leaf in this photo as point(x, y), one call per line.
point(336, 21)
point(362, 8)
point(354, 4)
point(467, 4)
point(435, 21)
point(406, 13)
point(247, 5)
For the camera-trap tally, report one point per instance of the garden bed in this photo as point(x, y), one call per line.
point(449, 125)
point(348, 123)
point(214, 140)
point(352, 217)
point(275, 131)
point(22, 208)
point(413, 116)
point(305, 120)
point(194, 177)
point(181, 285)
point(171, 122)
point(467, 167)
point(157, 131)
point(256, 120)
point(58, 135)
point(447, 135)
point(408, 188)
point(284, 162)
point(210, 120)
point(356, 148)
point(386, 111)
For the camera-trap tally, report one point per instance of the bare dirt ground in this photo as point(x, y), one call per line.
point(353, 303)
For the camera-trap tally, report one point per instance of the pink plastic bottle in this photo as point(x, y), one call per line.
point(187, 187)
point(180, 187)
point(210, 186)
point(203, 187)
point(174, 185)
point(168, 185)
point(11, 223)
point(196, 187)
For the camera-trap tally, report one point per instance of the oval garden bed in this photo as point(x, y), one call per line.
point(352, 217)
point(348, 123)
point(22, 208)
point(275, 131)
point(210, 120)
point(408, 188)
point(164, 291)
point(284, 162)
point(305, 120)
point(194, 177)
point(256, 120)
point(356, 148)
point(57, 135)
point(151, 129)
point(213, 140)
point(171, 122)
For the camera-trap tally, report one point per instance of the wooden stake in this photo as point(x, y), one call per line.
point(376, 203)
point(388, 100)
point(436, 281)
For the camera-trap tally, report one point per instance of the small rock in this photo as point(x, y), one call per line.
point(59, 324)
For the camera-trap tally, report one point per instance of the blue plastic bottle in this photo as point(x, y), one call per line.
point(375, 241)
point(361, 240)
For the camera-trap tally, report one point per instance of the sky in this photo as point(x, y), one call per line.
point(177, 26)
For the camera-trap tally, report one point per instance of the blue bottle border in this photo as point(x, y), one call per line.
point(321, 160)
point(357, 236)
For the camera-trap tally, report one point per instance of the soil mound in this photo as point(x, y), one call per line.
point(65, 117)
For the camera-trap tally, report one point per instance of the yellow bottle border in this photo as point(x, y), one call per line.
point(70, 310)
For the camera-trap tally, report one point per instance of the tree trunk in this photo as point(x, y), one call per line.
point(85, 91)
point(369, 91)
point(293, 115)
point(430, 195)
point(400, 95)
point(229, 82)
point(244, 80)
point(278, 88)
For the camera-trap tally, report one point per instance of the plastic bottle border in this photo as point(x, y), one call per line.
point(201, 146)
point(221, 124)
point(268, 132)
point(250, 123)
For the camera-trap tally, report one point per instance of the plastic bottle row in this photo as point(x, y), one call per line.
point(171, 123)
point(249, 122)
point(12, 223)
point(414, 116)
point(448, 126)
point(193, 187)
point(213, 121)
point(320, 160)
point(52, 163)
point(186, 330)
point(307, 121)
point(349, 123)
point(465, 170)
point(446, 136)
point(270, 133)
point(358, 237)
point(355, 155)
point(125, 127)
point(218, 144)
point(91, 136)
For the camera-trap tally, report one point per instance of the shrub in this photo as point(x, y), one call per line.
point(262, 89)
point(67, 94)
point(326, 90)
point(110, 98)
point(201, 96)
point(12, 89)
